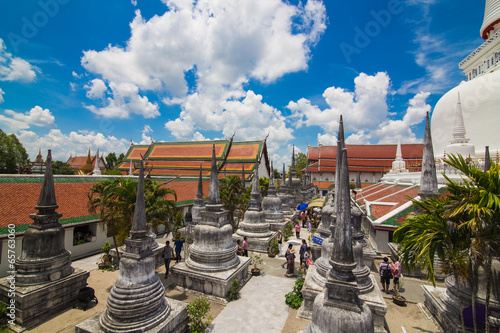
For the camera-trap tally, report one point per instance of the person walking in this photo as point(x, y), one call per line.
point(178, 248)
point(297, 230)
point(239, 250)
point(280, 241)
point(385, 275)
point(290, 246)
point(168, 251)
point(303, 219)
point(396, 273)
point(245, 246)
point(302, 251)
point(290, 268)
point(308, 257)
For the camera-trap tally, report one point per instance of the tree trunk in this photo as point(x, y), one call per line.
point(460, 305)
point(116, 248)
point(487, 268)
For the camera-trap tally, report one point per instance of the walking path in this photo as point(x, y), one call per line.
point(260, 308)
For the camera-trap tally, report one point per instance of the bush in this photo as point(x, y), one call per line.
point(3, 317)
point(233, 292)
point(272, 247)
point(106, 248)
point(294, 298)
point(197, 311)
point(288, 231)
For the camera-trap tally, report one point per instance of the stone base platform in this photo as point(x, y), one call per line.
point(177, 321)
point(256, 244)
point(157, 250)
point(210, 283)
point(37, 303)
point(373, 299)
point(276, 226)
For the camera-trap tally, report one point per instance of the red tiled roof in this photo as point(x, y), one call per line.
point(313, 153)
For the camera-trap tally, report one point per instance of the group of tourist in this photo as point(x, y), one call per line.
point(390, 271)
point(304, 255)
point(168, 253)
point(310, 219)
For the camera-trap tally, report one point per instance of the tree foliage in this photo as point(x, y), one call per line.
point(263, 186)
point(13, 156)
point(112, 161)
point(300, 163)
point(62, 168)
point(115, 201)
point(234, 197)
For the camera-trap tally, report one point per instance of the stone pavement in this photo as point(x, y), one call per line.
point(260, 308)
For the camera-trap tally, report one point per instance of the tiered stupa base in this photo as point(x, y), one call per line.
point(374, 300)
point(35, 304)
point(176, 322)
point(255, 244)
point(210, 283)
point(329, 319)
point(277, 226)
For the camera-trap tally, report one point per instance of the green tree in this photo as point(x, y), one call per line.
point(462, 229)
point(62, 168)
point(234, 197)
point(13, 156)
point(115, 201)
point(300, 163)
point(112, 161)
point(263, 186)
point(277, 174)
point(112, 172)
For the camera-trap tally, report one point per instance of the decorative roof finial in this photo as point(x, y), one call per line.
point(213, 193)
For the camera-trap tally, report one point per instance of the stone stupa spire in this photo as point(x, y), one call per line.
point(96, 170)
point(255, 199)
point(137, 301)
point(199, 203)
point(272, 187)
point(199, 195)
point(130, 171)
point(487, 159)
point(358, 180)
point(428, 178)
point(338, 162)
point(213, 191)
point(340, 309)
point(243, 174)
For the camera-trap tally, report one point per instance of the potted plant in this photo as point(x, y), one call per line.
point(105, 260)
point(273, 248)
point(256, 260)
point(398, 299)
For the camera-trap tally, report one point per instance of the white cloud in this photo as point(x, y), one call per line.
point(249, 118)
point(365, 113)
point(36, 116)
point(63, 145)
point(75, 75)
point(134, 2)
point(96, 89)
point(219, 45)
point(14, 68)
point(146, 140)
point(1, 95)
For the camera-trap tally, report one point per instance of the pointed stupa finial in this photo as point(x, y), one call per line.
point(293, 156)
point(487, 159)
point(255, 199)
point(428, 178)
point(199, 195)
point(338, 162)
point(358, 180)
point(47, 199)
point(458, 125)
point(213, 193)
point(130, 171)
point(399, 155)
point(271, 178)
point(139, 228)
point(243, 174)
point(255, 188)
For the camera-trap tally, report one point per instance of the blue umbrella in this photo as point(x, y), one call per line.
point(302, 206)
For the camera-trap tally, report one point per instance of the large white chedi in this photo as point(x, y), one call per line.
point(479, 94)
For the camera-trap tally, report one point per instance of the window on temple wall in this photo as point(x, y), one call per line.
point(488, 63)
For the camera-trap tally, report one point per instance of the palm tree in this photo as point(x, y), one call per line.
point(115, 201)
point(233, 198)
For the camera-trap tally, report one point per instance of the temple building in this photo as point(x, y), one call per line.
point(183, 159)
point(479, 93)
point(85, 165)
point(39, 165)
point(371, 161)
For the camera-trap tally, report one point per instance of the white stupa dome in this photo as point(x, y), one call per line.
point(480, 99)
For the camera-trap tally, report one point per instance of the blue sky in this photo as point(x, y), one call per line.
point(80, 74)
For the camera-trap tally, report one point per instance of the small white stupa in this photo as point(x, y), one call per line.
point(460, 144)
point(399, 165)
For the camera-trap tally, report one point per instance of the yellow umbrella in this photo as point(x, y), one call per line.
point(316, 203)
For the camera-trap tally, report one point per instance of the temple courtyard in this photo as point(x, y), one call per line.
point(260, 308)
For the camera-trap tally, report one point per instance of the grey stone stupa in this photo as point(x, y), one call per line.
point(137, 301)
point(212, 262)
point(339, 309)
point(283, 195)
point(272, 205)
point(428, 178)
point(199, 202)
point(294, 185)
point(254, 224)
point(45, 282)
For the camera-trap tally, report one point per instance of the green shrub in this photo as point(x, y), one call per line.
point(294, 298)
point(272, 247)
point(106, 248)
point(3, 317)
point(197, 313)
point(288, 231)
point(233, 292)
